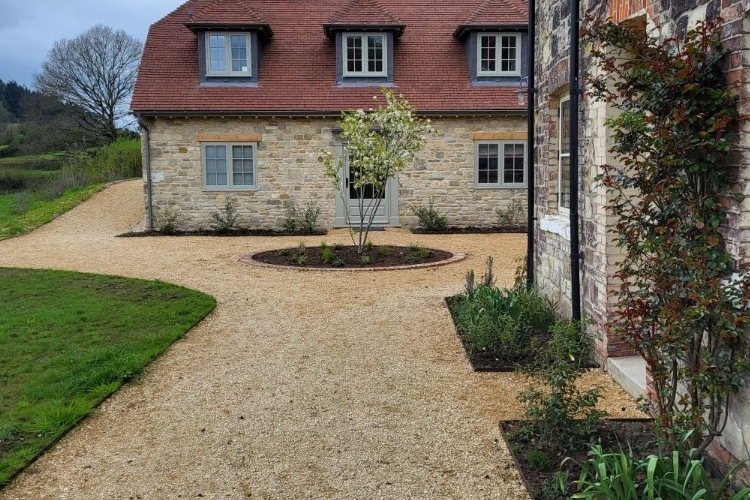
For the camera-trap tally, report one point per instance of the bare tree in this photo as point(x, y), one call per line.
point(95, 72)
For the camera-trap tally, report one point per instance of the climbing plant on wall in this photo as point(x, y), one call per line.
point(680, 302)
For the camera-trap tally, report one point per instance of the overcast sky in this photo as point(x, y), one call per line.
point(29, 28)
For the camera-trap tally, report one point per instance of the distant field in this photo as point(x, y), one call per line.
point(30, 158)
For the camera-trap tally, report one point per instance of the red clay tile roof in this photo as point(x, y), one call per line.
point(297, 73)
point(492, 14)
point(363, 14)
point(227, 13)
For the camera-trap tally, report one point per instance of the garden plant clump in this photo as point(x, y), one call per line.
point(501, 328)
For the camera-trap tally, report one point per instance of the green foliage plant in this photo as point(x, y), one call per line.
point(166, 218)
point(300, 256)
point(304, 220)
point(429, 218)
point(560, 413)
point(68, 340)
point(681, 304)
point(510, 323)
point(509, 217)
point(327, 255)
point(661, 476)
point(384, 250)
point(225, 220)
point(378, 143)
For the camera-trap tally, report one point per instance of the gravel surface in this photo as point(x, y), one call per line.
point(301, 384)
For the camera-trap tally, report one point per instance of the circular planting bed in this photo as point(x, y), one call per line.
point(346, 257)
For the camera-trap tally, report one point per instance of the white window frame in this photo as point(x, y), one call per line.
point(498, 54)
point(500, 165)
point(561, 155)
point(228, 54)
point(364, 37)
point(229, 186)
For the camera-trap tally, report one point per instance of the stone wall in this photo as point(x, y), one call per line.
point(288, 169)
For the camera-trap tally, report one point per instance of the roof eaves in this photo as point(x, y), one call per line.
point(316, 113)
point(263, 29)
point(465, 29)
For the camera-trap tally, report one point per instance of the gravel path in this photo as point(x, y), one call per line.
point(299, 385)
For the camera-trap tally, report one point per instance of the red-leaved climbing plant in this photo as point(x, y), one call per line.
point(680, 301)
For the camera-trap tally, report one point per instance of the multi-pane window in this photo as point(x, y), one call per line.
point(501, 164)
point(228, 166)
point(228, 54)
point(364, 54)
point(498, 54)
point(563, 175)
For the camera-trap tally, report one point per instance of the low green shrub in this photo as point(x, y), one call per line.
point(429, 219)
point(510, 215)
point(558, 412)
point(302, 220)
point(225, 220)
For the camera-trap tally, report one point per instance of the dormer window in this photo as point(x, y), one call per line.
point(228, 54)
point(498, 54)
point(365, 54)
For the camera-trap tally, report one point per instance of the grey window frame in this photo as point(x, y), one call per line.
point(364, 73)
point(229, 186)
point(562, 154)
point(500, 167)
point(228, 54)
point(498, 54)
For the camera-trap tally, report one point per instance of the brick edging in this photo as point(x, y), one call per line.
point(456, 257)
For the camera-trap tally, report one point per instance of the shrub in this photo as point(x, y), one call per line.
point(305, 220)
point(429, 219)
point(226, 219)
point(510, 216)
point(560, 414)
point(166, 219)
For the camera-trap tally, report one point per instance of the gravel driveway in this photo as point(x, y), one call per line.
point(301, 384)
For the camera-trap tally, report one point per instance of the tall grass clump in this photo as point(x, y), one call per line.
point(120, 159)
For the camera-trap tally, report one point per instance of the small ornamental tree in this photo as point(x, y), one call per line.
point(378, 144)
point(680, 303)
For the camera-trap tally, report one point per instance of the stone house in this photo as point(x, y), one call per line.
point(236, 98)
point(597, 254)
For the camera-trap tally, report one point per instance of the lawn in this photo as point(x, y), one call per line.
point(69, 340)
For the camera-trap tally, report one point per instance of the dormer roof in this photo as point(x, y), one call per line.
point(363, 15)
point(493, 15)
point(227, 14)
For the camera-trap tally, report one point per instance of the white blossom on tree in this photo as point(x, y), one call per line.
point(378, 144)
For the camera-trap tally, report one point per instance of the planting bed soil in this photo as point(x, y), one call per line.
point(538, 475)
point(232, 232)
point(473, 230)
point(346, 257)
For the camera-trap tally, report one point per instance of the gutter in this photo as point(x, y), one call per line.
point(147, 159)
point(319, 113)
point(575, 92)
point(530, 144)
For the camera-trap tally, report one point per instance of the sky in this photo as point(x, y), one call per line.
point(29, 28)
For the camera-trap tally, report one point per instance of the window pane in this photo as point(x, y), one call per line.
point(564, 125)
point(242, 166)
point(487, 164)
point(488, 53)
point(239, 53)
point(354, 54)
point(513, 170)
point(216, 165)
point(375, 53)
point(564, 194)
point(217, 53)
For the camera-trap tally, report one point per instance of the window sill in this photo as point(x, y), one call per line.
point(228, 189)
point(556, 224)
